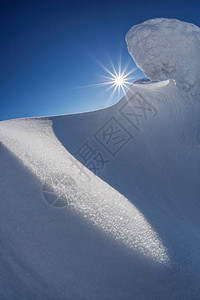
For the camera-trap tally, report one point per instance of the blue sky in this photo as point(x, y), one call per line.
point(48, 50)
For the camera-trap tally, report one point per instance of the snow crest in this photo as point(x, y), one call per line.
point(167, 49)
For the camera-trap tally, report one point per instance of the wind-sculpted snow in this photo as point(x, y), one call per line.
point(167, 49)
point(40, 151)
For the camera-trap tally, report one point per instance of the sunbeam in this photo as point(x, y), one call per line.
point(117, 80)
point(112, 80)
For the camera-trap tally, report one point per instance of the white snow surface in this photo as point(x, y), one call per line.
point(132, 231)
point(167, 49)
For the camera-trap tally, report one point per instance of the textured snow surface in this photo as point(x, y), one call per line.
point(167, 49)
point(95, 200)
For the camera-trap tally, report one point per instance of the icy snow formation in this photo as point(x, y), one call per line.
point(167, 49)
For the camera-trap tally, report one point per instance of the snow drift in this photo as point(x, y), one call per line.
point(105, 204)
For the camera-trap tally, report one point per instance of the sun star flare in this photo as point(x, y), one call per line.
point(117, 80)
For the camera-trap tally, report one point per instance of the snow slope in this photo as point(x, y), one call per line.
point(105, 204)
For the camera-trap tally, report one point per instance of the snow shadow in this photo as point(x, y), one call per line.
point(50, 252)
point(154, 172)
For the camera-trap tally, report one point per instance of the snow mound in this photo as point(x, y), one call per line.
point(167, 49)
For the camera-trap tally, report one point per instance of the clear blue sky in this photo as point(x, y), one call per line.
point(48, 48)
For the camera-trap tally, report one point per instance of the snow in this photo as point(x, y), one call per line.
point(167, 49)
point(129, 232)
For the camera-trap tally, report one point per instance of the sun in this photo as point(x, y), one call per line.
point(114, 80)
point(119, 80)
